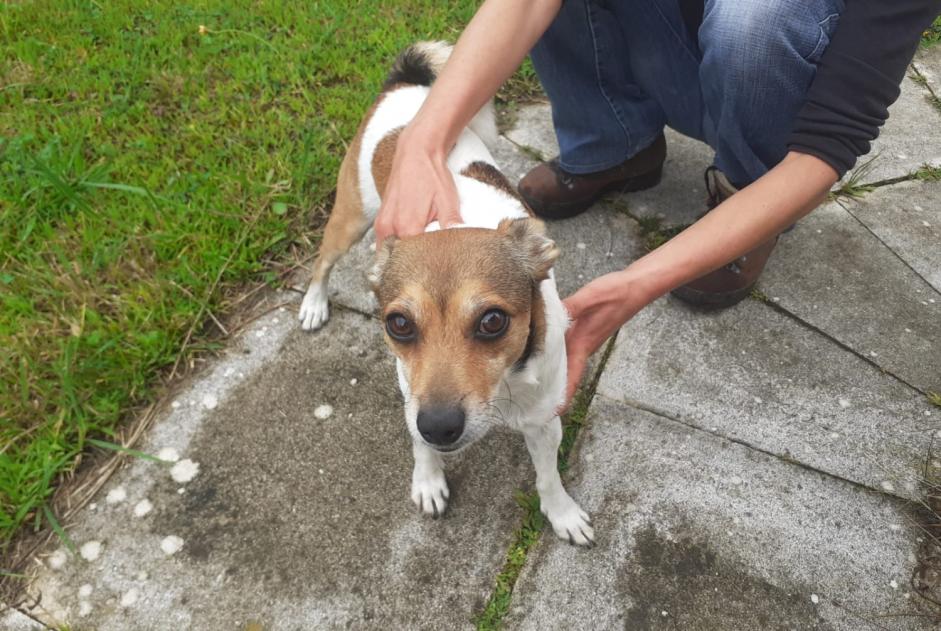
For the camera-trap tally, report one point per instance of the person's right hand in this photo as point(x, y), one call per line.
point(420, 189)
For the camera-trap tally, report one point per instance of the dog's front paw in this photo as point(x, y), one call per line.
point(570, 522)
point(430, 492)
point(314, 310)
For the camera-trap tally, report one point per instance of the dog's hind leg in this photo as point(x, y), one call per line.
point(347, 225)
point(568, 520)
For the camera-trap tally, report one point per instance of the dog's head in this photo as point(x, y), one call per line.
point(461, 309)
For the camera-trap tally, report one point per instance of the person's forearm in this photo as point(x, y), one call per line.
point(752, 216)
point(490, 49)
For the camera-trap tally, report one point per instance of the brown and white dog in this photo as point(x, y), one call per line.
point(471, 313)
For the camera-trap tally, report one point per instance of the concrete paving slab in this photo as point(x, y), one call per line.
point(13, 620)
point(928, 64)
point(290, 506)
point(907, 218)
point(696, 532)
point(834, 274)
point(754, 375)
point(910, 138)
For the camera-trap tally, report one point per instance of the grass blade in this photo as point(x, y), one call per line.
point(124, 450)
point(57, 528)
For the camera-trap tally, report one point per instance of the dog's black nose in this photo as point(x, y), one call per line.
point(441, 425)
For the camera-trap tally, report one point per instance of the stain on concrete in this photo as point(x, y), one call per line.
point(681, 582)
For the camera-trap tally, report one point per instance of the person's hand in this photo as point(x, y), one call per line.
point(597, 311)
point(420, 189)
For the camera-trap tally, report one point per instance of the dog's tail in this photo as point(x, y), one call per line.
point(420, 64)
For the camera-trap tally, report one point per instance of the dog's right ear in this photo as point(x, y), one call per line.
point(382, 259)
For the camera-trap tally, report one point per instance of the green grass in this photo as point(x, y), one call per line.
point(933, 35)
point(147, 166)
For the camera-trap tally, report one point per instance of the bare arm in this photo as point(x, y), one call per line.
point(491, 48)
point(752, 216)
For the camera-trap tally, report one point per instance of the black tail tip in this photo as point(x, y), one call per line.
point(413, 66)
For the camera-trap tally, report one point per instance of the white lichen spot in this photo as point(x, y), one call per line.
point(580, 245)
point(758, 400)
point(815, 599)
point(93, 506)
point(844, 403)
point(887, 486)
point(171, 545)
point(90, 550)
point(775, 299)
point(324, 411)
point(735, 480)
point(834, 435)
point(175, 405)
point(372, 246)
point(664, 613)
point(116, 495)
point(926, 224)
point(184, 471)
point(894, 527)
point(85, 591)
point(894, 584)
point(130, 597)
point(931, 300)
point(84, 609)
point(874, 353)
point(228, 372)
point(180, 491)
point(354, 381)
point(57, 559)
point(274, 320)
point(143, 507)
point(168, 454)
point(320, 471)
point(908, 330)
point(210, 402)
point(142, 576)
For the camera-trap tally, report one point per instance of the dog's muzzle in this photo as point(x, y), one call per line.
point(441, 426)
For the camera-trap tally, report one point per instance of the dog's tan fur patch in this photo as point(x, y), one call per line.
point(382, 159)
point(490, 175)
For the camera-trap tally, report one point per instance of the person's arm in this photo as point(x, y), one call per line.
point(420, 187)
point(750, 217)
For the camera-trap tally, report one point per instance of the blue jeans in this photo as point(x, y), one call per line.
point(617, 71)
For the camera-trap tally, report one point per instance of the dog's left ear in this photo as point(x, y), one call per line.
point(537, 251)
point(382, 259)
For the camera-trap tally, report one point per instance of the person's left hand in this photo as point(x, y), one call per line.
point(597, 311)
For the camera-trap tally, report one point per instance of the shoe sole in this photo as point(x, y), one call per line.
point(572, 209)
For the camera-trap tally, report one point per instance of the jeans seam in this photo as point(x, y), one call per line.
point(601, 83)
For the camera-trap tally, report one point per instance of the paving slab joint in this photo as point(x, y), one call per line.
point(761, 297)
point(926, 577)
point(921, 80)
point(533, 521)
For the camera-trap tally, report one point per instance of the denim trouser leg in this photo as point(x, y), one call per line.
point(601, 116)
point(617, 71)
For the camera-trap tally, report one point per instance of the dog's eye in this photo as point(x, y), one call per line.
point(399, 327)
point(492, 324)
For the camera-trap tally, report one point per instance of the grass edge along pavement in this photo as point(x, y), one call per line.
point(153, 160)
point(534, 522)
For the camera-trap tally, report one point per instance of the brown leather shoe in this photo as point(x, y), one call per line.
point(553, 193)
point(727, 285)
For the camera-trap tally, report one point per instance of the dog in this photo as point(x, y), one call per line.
point(471, 312)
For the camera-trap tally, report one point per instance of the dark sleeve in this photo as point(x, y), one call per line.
point(858, 78)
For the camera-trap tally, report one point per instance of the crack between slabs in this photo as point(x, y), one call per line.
point(845, 347)
point(888, 247)
point(531, 529)
point(738, 441)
